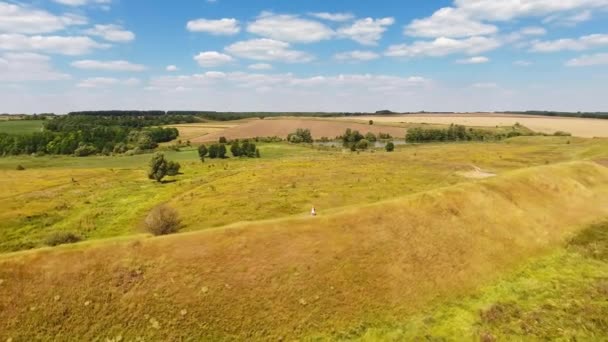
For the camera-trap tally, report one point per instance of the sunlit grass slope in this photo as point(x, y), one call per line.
point(102, 197)
point(365, 265)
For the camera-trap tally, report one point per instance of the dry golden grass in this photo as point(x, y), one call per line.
point(283, 126)
point(587, 128)
point(199, 130)
point(294, 277)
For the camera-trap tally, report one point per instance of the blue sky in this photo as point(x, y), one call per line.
point(313, 55)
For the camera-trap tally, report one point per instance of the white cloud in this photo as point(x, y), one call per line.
point(522, 63)
point(108, 65)
point(589, 60)
point(366, 31)
point(443, 47)
point(569, 44)
point(260, 66)
point(268, 50)
point(570, 19)
point(82, 2)
point(212, 58)
point(468, 17)
point(104, 82)
point(112, 33)
point(16, 18)
point(20, 67)
point(225, 26)
point(288, 82)
point(493, 10)
point(485, 85)
point(289, 28)
point(172, 68)
point(338, 17)
point(474, 60)
point(533, 31)
point(66, 45)
point(448, 22)
point(356, 55)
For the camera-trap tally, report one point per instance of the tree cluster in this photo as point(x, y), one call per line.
point(301, 135)
point(244, 149)
point(454, 133)
point(355, 140)
point(160, 167)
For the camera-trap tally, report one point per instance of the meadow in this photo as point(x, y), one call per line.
point(439, 241)
point(20, 126)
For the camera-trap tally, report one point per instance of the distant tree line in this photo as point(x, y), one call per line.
point(589, 115)
point(456, 133)
point(83, 135)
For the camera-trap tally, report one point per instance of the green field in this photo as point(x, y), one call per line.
point(20, 126)
point(407, 245)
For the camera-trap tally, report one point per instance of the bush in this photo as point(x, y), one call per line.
point(371, 122)
point(562, 134)
point(20, 167)
point(62, 238)
point(362, 144)
point(85, 150)
point(390, 147)
point(162, 220)
point(202, 152)
point(300, 136)
point(223, 140)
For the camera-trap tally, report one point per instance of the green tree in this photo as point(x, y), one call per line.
point(173, 168)
point(362, 144)
point(235, 149)
point(202, 152)
point(213, 149)
point(371, 137)
point(257, 153)
point(390, 147)
point(157, 167)
point(221, 151)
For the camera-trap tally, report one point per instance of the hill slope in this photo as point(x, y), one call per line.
point(296, 277)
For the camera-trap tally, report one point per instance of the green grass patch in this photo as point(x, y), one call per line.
point(21, 126)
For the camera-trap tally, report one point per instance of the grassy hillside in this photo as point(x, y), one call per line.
point(362, 266)
point(21, 126)
point(102, 197)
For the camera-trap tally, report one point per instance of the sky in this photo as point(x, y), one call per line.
point(303, 55)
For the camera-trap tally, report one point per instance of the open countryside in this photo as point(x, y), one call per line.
point(303, 171)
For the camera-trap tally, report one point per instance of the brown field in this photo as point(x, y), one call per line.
point(289, 278)
point(197, 130)
point(282, 127)
point(586, 128)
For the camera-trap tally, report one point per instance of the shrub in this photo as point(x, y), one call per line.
point(173, 168)
point(300, 136)
point(162, 220)
point(223, 140)
point(62, 238)
point(85, 150)
point(371, 137)
point(20, 167)
point(390, 147)
point(371, 122)
point(202, 152)
point(363, 144)
point(562, 134)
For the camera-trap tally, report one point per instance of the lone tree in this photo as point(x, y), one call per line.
point(235, 148)
point(202, 152)
point(159, 167)
point(390, 147)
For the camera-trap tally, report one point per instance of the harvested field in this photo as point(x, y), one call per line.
point(193, 131)
point(586, 128)
point(282, 127)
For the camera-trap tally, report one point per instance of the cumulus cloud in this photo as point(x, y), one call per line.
point(289, 82)
point(366, 31)
point(260, 66)
point(448, 22)
point(337, 17)
point(82, 2)
point(443, 47)
point(104, 82)
point(589, 60)
point(225, 26)
point(17, 18)
point(289, 28)
point(474, 60)
point(268, 50)
point(570, 44)
point(171, 68)
point(20, 67)
point(356, 55)
point(65, 45)
point(212, 58)
point(107, 65)
point(112, 33)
